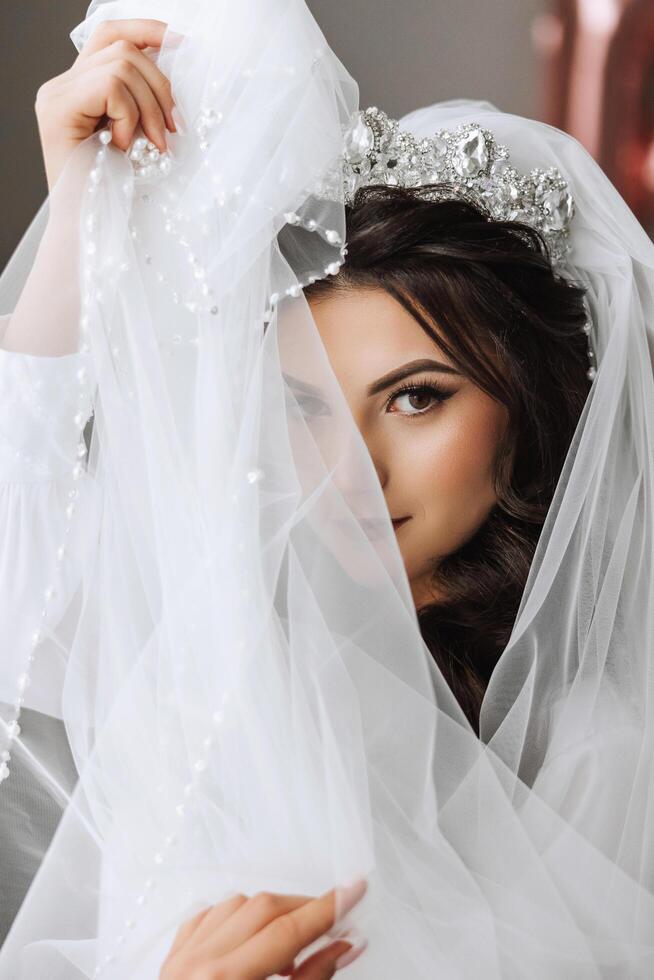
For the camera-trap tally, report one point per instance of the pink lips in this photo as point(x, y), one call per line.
point(374, 528)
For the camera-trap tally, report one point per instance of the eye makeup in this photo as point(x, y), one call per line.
point(427, 385)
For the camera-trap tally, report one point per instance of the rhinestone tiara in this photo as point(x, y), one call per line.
point(463, 163)
point(466, 162)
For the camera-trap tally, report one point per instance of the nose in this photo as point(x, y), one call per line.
point(362, 468)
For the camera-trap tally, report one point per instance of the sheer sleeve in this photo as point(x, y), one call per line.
point(39, 397)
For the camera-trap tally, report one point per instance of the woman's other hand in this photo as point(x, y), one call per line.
point(110, 80)
point(254, 938)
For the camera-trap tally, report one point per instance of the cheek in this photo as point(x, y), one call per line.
point(450, 475)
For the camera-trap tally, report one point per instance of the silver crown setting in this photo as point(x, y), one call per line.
point(466, 162)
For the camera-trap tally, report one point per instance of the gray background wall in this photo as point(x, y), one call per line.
point(403, 53)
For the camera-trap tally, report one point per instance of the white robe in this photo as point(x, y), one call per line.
point(35, 392)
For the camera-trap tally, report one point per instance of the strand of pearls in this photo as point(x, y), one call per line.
point(587, 329)
point(199, 273)
point(192, 305)
point(592, 370)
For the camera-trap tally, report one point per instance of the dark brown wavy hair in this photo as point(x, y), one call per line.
point(514, 327)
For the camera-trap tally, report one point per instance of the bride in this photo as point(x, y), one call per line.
point(326, 471)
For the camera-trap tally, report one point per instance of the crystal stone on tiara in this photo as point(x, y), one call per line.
point(466, 162)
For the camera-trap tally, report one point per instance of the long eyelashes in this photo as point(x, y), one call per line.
point(438, 394)
point(311, 406)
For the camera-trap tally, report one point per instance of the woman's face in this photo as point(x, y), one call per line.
point(433, 446)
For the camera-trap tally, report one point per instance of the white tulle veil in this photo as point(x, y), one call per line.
point(239, 668)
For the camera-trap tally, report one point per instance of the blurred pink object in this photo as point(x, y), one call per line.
point(598, 85)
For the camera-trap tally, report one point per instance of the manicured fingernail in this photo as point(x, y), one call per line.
point(349, 894)
point(351, 955)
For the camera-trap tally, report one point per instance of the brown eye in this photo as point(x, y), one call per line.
point(417, 399)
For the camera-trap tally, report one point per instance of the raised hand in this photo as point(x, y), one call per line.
point(112, 79)
point(254, 938)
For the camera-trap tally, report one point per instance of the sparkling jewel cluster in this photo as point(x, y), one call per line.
point(467, 163)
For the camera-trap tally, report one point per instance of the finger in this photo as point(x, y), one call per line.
point(186, 930)
point(189, 928)
point(278, 943)
point(322, 964)
point(143, 32)
point(149, 110)
point(110, 97)
point(223, 933)
point(216, 915)
point(126, 51)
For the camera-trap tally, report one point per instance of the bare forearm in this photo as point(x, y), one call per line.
point(45, 320)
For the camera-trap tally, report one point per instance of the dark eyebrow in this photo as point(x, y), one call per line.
point(412, 367)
